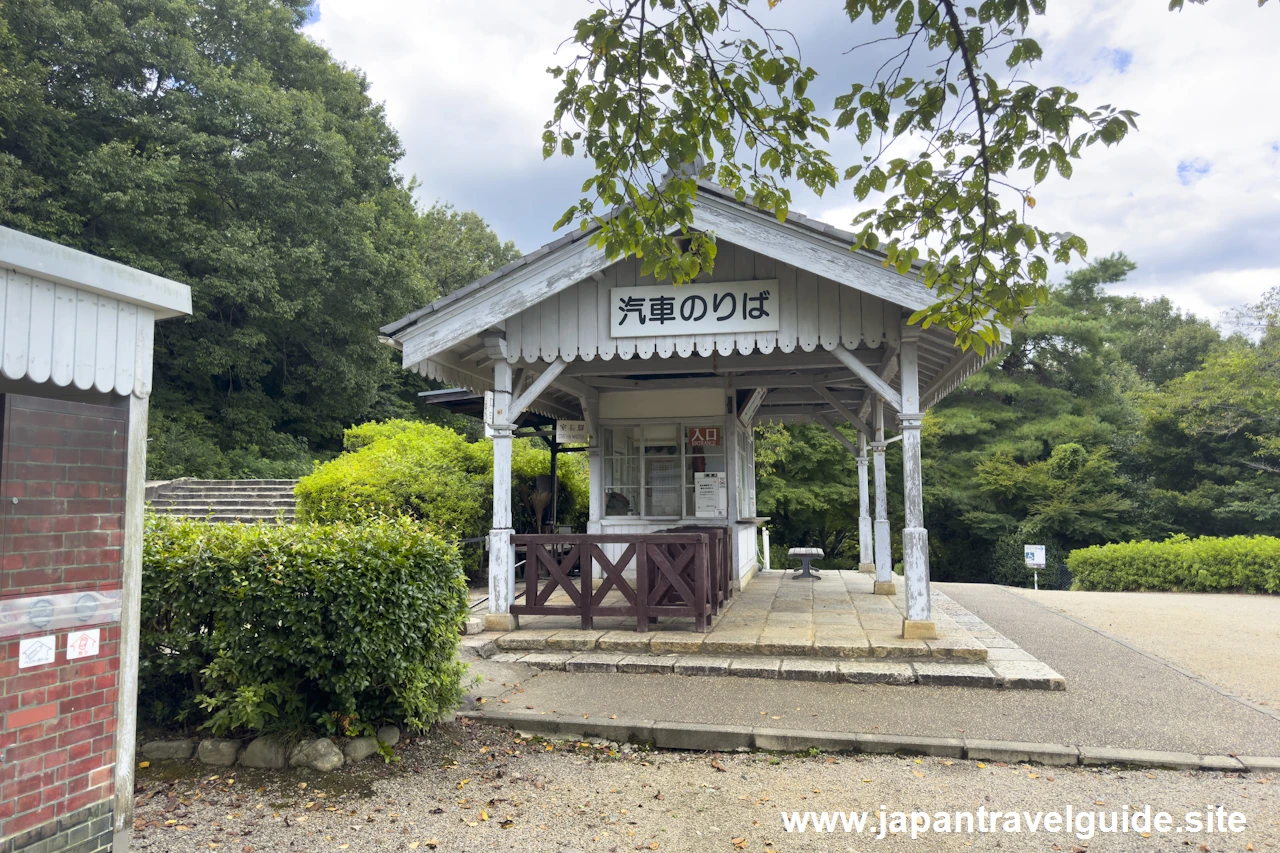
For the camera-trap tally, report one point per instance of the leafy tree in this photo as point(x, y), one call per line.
point(947, 124)
point(211, 142)
point(1211, 439)
point(459, 247)
point(807, 483)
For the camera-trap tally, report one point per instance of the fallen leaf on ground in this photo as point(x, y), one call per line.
point(718, 766)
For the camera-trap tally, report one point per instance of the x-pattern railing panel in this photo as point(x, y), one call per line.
point(672, 576)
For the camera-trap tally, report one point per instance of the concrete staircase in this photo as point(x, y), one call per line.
point(225, 500)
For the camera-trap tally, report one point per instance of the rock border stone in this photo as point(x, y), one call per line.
point(269, 753)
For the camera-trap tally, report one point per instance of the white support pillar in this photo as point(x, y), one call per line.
point(595, 472)
point(918, 623)
point(883, 547)
point(502, 554)
point(130, 619)
point(866, 556)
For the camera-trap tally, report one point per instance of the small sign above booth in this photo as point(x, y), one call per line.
point(571, 432)
point(694, 309)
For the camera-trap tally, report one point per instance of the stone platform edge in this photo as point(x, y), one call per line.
point(1006, 674)
point(702, 737)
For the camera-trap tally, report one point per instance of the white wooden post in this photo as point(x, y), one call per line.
point(883, 547)
point(866, 556)
point(918, 623)
point(595, 471)
point(502, 554)
point(130, 618)
point(764, 535)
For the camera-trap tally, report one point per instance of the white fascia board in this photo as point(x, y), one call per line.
point(808, 250)
point(62, 265)
point(525, 286)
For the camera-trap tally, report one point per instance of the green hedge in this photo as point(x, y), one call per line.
point(1207, 564)
point(291, 629)
point(431, 472)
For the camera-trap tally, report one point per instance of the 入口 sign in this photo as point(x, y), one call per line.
point(704, 436)
point(694, 309)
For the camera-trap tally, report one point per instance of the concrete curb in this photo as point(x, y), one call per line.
point(668, 734)
point(1204, 682)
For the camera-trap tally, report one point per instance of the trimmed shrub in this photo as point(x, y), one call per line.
point(1207, 564)
point(290, 629)
point(431, 472)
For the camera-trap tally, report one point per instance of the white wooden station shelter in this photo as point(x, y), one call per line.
point(791, 325)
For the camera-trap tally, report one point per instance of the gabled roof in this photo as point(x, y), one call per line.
point(804, 243)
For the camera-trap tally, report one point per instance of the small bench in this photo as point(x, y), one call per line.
point(805, 555)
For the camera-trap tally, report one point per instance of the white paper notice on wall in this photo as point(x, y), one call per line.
point(36, 651)
point(709, 494)
point(83, 644)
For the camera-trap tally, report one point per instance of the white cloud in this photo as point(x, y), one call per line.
point(465, 85)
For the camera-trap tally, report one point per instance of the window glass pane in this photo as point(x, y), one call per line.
point(701, 456)
point(621, 471)
point(662, 470)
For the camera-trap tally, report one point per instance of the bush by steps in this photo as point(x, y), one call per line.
point(299, 628)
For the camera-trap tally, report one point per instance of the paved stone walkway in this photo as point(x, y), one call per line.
point(1116, 697)
point(834, 630)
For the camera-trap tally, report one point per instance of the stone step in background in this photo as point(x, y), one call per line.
point(225, 500)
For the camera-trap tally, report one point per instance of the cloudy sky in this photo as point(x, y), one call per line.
point(1193, 198)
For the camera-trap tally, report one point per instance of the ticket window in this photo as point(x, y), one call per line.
point(663, 471)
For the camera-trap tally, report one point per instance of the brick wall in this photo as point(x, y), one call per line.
point(64, 463)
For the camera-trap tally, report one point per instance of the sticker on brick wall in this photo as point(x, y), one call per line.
point(35, 651)
point(83, 644)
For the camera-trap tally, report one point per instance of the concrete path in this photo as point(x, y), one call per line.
point(1231, 640)
point(1117, 697)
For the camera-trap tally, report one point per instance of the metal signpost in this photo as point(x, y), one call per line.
point(1034, 555)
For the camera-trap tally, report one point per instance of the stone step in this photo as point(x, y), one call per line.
point(211, 492)
point(247, 511)
point(232, 519)
point(185, 502)
point(234, 483)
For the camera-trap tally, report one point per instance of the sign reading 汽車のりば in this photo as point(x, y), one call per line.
point(724, 307)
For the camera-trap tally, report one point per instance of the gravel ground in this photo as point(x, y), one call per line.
point(1231, 640)
point(473, 788)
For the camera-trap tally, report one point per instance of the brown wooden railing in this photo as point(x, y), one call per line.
point(673, 576)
